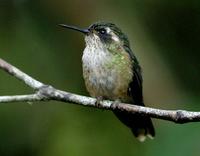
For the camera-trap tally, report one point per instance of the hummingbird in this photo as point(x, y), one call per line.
point(111, 71)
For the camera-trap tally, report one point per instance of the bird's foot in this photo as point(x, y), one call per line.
point(115, 103)
point(98, 101)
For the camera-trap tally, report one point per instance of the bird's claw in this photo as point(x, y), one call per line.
point(98, 101)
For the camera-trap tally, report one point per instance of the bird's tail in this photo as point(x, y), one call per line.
point(141, 126)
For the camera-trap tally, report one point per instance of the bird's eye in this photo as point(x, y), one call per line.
point(102, 31)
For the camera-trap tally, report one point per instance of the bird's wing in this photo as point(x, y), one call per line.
point(135, 86)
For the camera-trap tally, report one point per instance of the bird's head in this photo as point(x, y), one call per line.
point(104, 32)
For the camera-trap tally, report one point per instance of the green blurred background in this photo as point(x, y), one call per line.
point(164, 35)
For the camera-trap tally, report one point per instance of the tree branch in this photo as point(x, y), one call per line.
point(45, 92)
point(21, 98)
point(20, 75)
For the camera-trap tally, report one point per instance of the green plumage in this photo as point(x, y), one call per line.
point(111, 71)
point(126, 64)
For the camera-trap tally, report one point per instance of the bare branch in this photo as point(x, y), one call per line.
point(20, 75)
point(21, 98)
point(47, 92)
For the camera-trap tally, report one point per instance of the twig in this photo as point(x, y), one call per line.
point(20, 75)
point(45, 92)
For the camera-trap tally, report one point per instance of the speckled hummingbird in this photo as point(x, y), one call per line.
point(111, 71)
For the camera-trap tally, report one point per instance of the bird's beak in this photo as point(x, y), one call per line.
point(84, 31)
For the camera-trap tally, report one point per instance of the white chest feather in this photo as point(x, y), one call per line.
point(102, 77)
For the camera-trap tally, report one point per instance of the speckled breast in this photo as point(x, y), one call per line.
point(106, 74)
